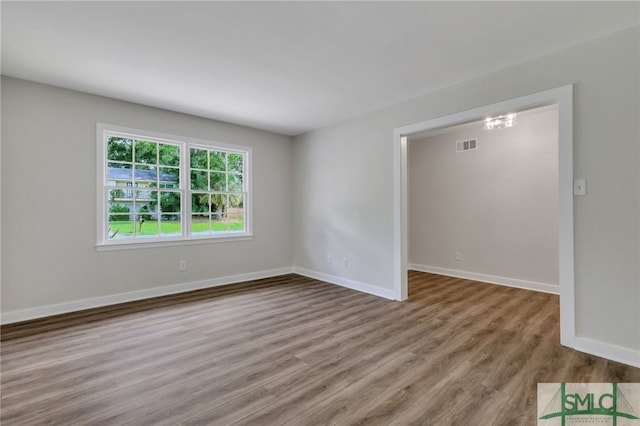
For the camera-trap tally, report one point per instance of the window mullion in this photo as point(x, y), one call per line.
point(158, 192)
point(226, 189)
point(185, 185)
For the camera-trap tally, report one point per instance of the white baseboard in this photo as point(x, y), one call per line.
point(607, 351)
point(112, 299)
point(583, 344)
point(345, 282)
point(491, 279)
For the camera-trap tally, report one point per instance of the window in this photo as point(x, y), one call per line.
point(155, 187)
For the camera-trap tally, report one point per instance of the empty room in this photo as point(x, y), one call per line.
point(320, 213)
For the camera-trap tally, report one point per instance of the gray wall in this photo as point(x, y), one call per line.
point(49, 201)
point(343, 178)
point(496, 205)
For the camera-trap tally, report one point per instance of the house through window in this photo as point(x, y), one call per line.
point(158, 187)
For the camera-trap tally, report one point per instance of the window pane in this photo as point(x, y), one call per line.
point(169, 202)
point(170, 225)
point(218, 160)
point(235, 182)
point(119, 212)
point(146, 198)
point(199, 180)
point(200, 225)
point(146, 152)
point(145, 227)
point(236, 201)
point(118, 174)
point(218, 203)
point(119, 149)
point(119, 216)
point(119, 228)
point(169, 177)
point(118, 196)
point(236, 220)
point(200, 203)
point(146, 213)
point(198, 158)
point(218, 181)
point(169, 155)
point(218, 223)
point(236, 163)
point(146, 175)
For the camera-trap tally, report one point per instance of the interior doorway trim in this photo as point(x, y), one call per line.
point(563, 97)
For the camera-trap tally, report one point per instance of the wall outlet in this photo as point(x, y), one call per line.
point(182, 265)
point(458, 256)
point(345, 262)
point(329, 259)
point(579, 187)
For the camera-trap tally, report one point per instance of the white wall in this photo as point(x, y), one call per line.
point(49, 205)
point(343, 180)
point(496, 205)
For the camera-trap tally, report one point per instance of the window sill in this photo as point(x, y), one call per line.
point(171, 243)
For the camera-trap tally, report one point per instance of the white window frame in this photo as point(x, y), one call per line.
point(186, 237)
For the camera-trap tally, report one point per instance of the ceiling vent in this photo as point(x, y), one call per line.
point(468, 145)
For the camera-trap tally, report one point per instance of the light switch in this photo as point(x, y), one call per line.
point(579, 187)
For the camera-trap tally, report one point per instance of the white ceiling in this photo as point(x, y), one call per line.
point(286, 67)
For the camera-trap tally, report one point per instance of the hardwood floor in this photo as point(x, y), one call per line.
point(295, 351)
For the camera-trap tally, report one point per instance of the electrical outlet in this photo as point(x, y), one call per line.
point(458, 256)
point(345, 262)
point(182, 265)
point(329, 259)
point(579, 187)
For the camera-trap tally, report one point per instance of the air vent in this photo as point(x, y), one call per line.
point(468, 145)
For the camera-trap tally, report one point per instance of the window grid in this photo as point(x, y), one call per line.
point(151, 198)
point(224, 219)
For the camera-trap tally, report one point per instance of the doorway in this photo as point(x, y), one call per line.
point(563, 98)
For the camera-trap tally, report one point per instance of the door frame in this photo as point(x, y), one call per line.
point(563, 98)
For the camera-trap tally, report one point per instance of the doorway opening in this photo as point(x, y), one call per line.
point(562, 98)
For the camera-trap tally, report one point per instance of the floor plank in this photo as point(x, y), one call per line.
point(296, 351)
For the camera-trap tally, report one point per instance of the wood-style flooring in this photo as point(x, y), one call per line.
point(295, 351)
